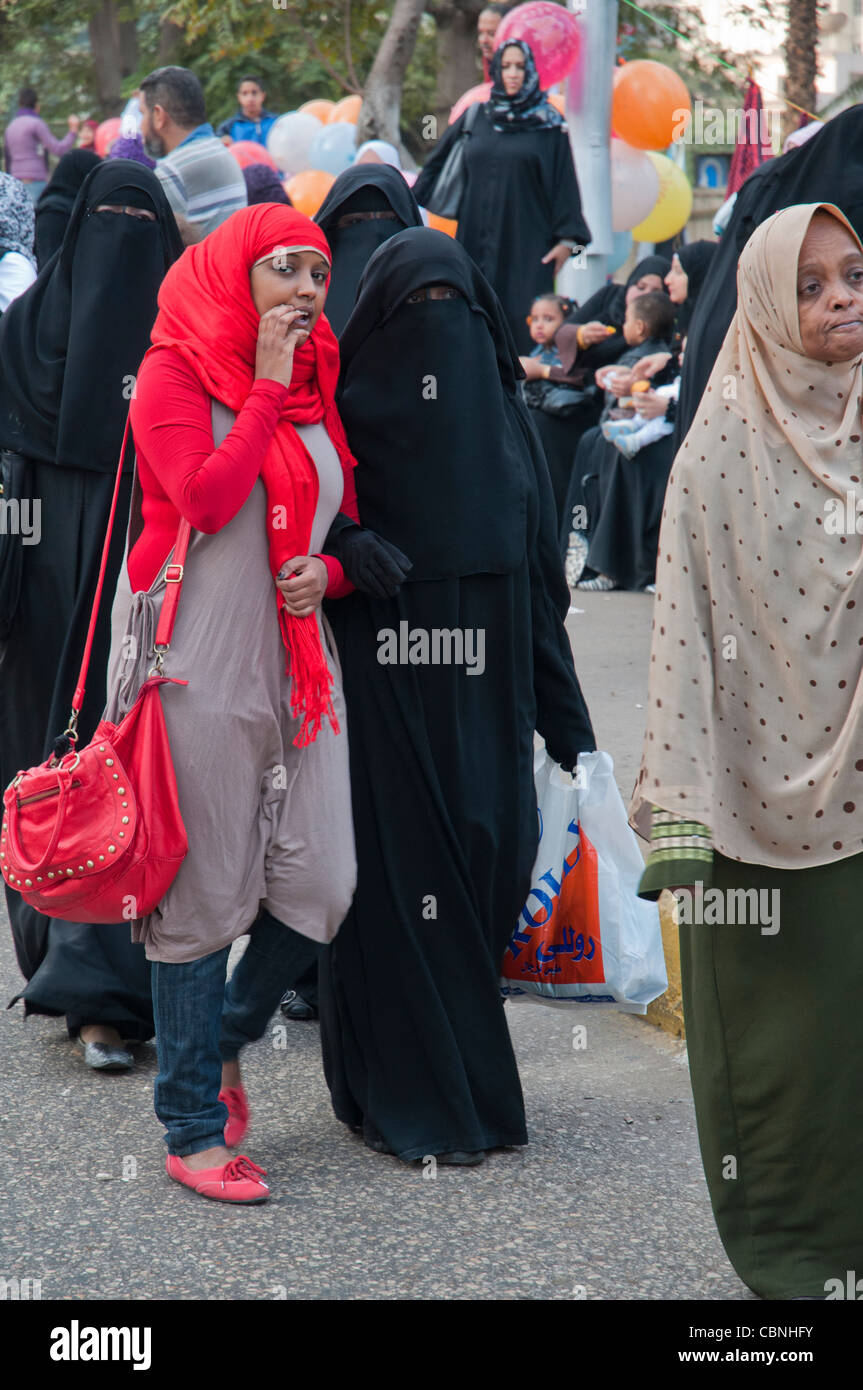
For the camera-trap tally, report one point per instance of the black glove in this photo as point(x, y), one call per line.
point(373, 565)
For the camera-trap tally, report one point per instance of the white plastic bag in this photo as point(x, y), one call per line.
point(584, 935)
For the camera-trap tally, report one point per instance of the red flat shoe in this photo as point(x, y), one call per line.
point(238, 1115)
point(237, 1181)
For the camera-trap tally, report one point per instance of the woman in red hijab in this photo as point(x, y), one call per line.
point(236, 430)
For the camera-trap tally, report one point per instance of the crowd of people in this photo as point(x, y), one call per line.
point(353, 817)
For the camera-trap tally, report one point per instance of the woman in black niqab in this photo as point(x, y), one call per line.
point(70, 347)
point(417, 1051)
point(55, 203)
point(379, 204)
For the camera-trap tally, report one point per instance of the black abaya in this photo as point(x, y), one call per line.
point(631, 492)
point(417, 1051)
point(362, 188)
point(521, 197)
point(69, 349)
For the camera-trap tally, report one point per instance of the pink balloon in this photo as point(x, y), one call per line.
point(106, 134)
point(250, 152)
point(480, 93)
point(551, 31)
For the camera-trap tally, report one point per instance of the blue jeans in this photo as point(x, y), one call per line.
point(201, 1022)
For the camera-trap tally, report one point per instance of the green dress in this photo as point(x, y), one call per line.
point(774, 1028)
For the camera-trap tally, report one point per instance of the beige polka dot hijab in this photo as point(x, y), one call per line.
point(756, 689)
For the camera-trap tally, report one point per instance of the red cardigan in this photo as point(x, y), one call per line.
point(182, 474)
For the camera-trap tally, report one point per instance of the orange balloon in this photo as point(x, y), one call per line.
point(348, 109)
point(320, 109)
point(443, 224)
point(557, 102)
point(308, 189)
point(650, 104)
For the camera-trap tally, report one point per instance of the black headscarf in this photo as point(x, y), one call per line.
point(70, 346)
point(362, 188)
point(428, 399)
point(696, 259)
point(827, 169)
point(54, 207)
point(530, 108)
point(608, 304)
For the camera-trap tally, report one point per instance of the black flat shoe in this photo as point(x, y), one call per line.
point(100, 1056)
point(294, 1007)
point(459, 1159)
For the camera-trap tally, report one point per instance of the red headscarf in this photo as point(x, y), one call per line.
point(207, 314)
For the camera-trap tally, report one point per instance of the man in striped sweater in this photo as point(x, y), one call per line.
point(202, 180)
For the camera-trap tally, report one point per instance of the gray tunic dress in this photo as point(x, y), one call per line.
point(269, 824)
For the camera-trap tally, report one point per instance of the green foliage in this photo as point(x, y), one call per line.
point(305, 49)
point(695, 58)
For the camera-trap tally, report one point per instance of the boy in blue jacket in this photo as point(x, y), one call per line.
point(250, 121)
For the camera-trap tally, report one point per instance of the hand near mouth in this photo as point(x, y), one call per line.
point(277, 342)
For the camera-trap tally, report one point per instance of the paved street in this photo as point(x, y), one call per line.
point(607, 1202)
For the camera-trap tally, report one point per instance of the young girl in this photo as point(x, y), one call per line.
point(548, 313)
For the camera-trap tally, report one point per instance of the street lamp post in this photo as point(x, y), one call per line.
point(588, 117)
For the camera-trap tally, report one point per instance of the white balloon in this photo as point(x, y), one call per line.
point(290, 140)
point(334, 147)
point(634, 186)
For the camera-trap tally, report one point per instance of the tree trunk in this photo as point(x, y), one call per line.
point(130, 55)
point(171, 38)
point(801, 62)
point(107, 63)
point(382, 97)
point(459, 66)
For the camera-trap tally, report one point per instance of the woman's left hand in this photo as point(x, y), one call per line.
point(533, 368)
point(650, 405)
point(560, 254)
point(303, 582)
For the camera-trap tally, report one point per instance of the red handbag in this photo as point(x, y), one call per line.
point(96, 835)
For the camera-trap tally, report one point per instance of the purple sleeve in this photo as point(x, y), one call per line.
point(51, 142)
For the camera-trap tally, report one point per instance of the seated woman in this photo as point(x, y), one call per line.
point(592, 338)
point(627, 495)
point(236, 430)
point(751, 774)
point(445, 686)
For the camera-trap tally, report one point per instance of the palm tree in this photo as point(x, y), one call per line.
point(801, 61)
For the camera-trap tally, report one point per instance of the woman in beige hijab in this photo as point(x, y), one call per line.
point(751, 783)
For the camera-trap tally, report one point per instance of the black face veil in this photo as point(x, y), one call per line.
point(70, 346)
point(427, 396)
point(364, 188)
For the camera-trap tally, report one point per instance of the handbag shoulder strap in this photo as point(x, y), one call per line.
point(168, 610)
point(470, 117)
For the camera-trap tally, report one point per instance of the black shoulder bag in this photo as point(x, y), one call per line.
point(445, 198)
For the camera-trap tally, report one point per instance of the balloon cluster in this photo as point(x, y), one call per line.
point(651, 196)
point(308, 147)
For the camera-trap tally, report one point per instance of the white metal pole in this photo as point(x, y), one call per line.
point(588, 117)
